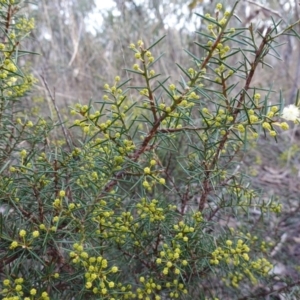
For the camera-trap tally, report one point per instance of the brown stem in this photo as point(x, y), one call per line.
point(258, 56)
point(150, 96)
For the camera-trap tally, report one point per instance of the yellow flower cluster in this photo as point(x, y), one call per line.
point(170, 259)
point(143, 55)
point(245, 197)
point(260, 266)
point(150, 210)
point(25, 240)
point(187, 99)
point(23, 86)
point(25, 25)
point(182, 231)
point(149, 290)
point(102, 215)
point(13, 290)
point(231, 255)
point(116, 227)
point(150, 173)
point(237, 256)
point(212, 26)
point(180, 102)
point(221, 119)
point(97, 272)
point(91, 123)
point(222, 72)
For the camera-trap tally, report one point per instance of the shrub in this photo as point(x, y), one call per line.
point(137, 206)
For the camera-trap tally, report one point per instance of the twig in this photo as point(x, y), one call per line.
point(76, 46)
point(57, 112)
point(266, 8)
point(168, 130)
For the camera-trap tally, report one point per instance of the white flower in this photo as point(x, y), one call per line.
point(291, 113)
